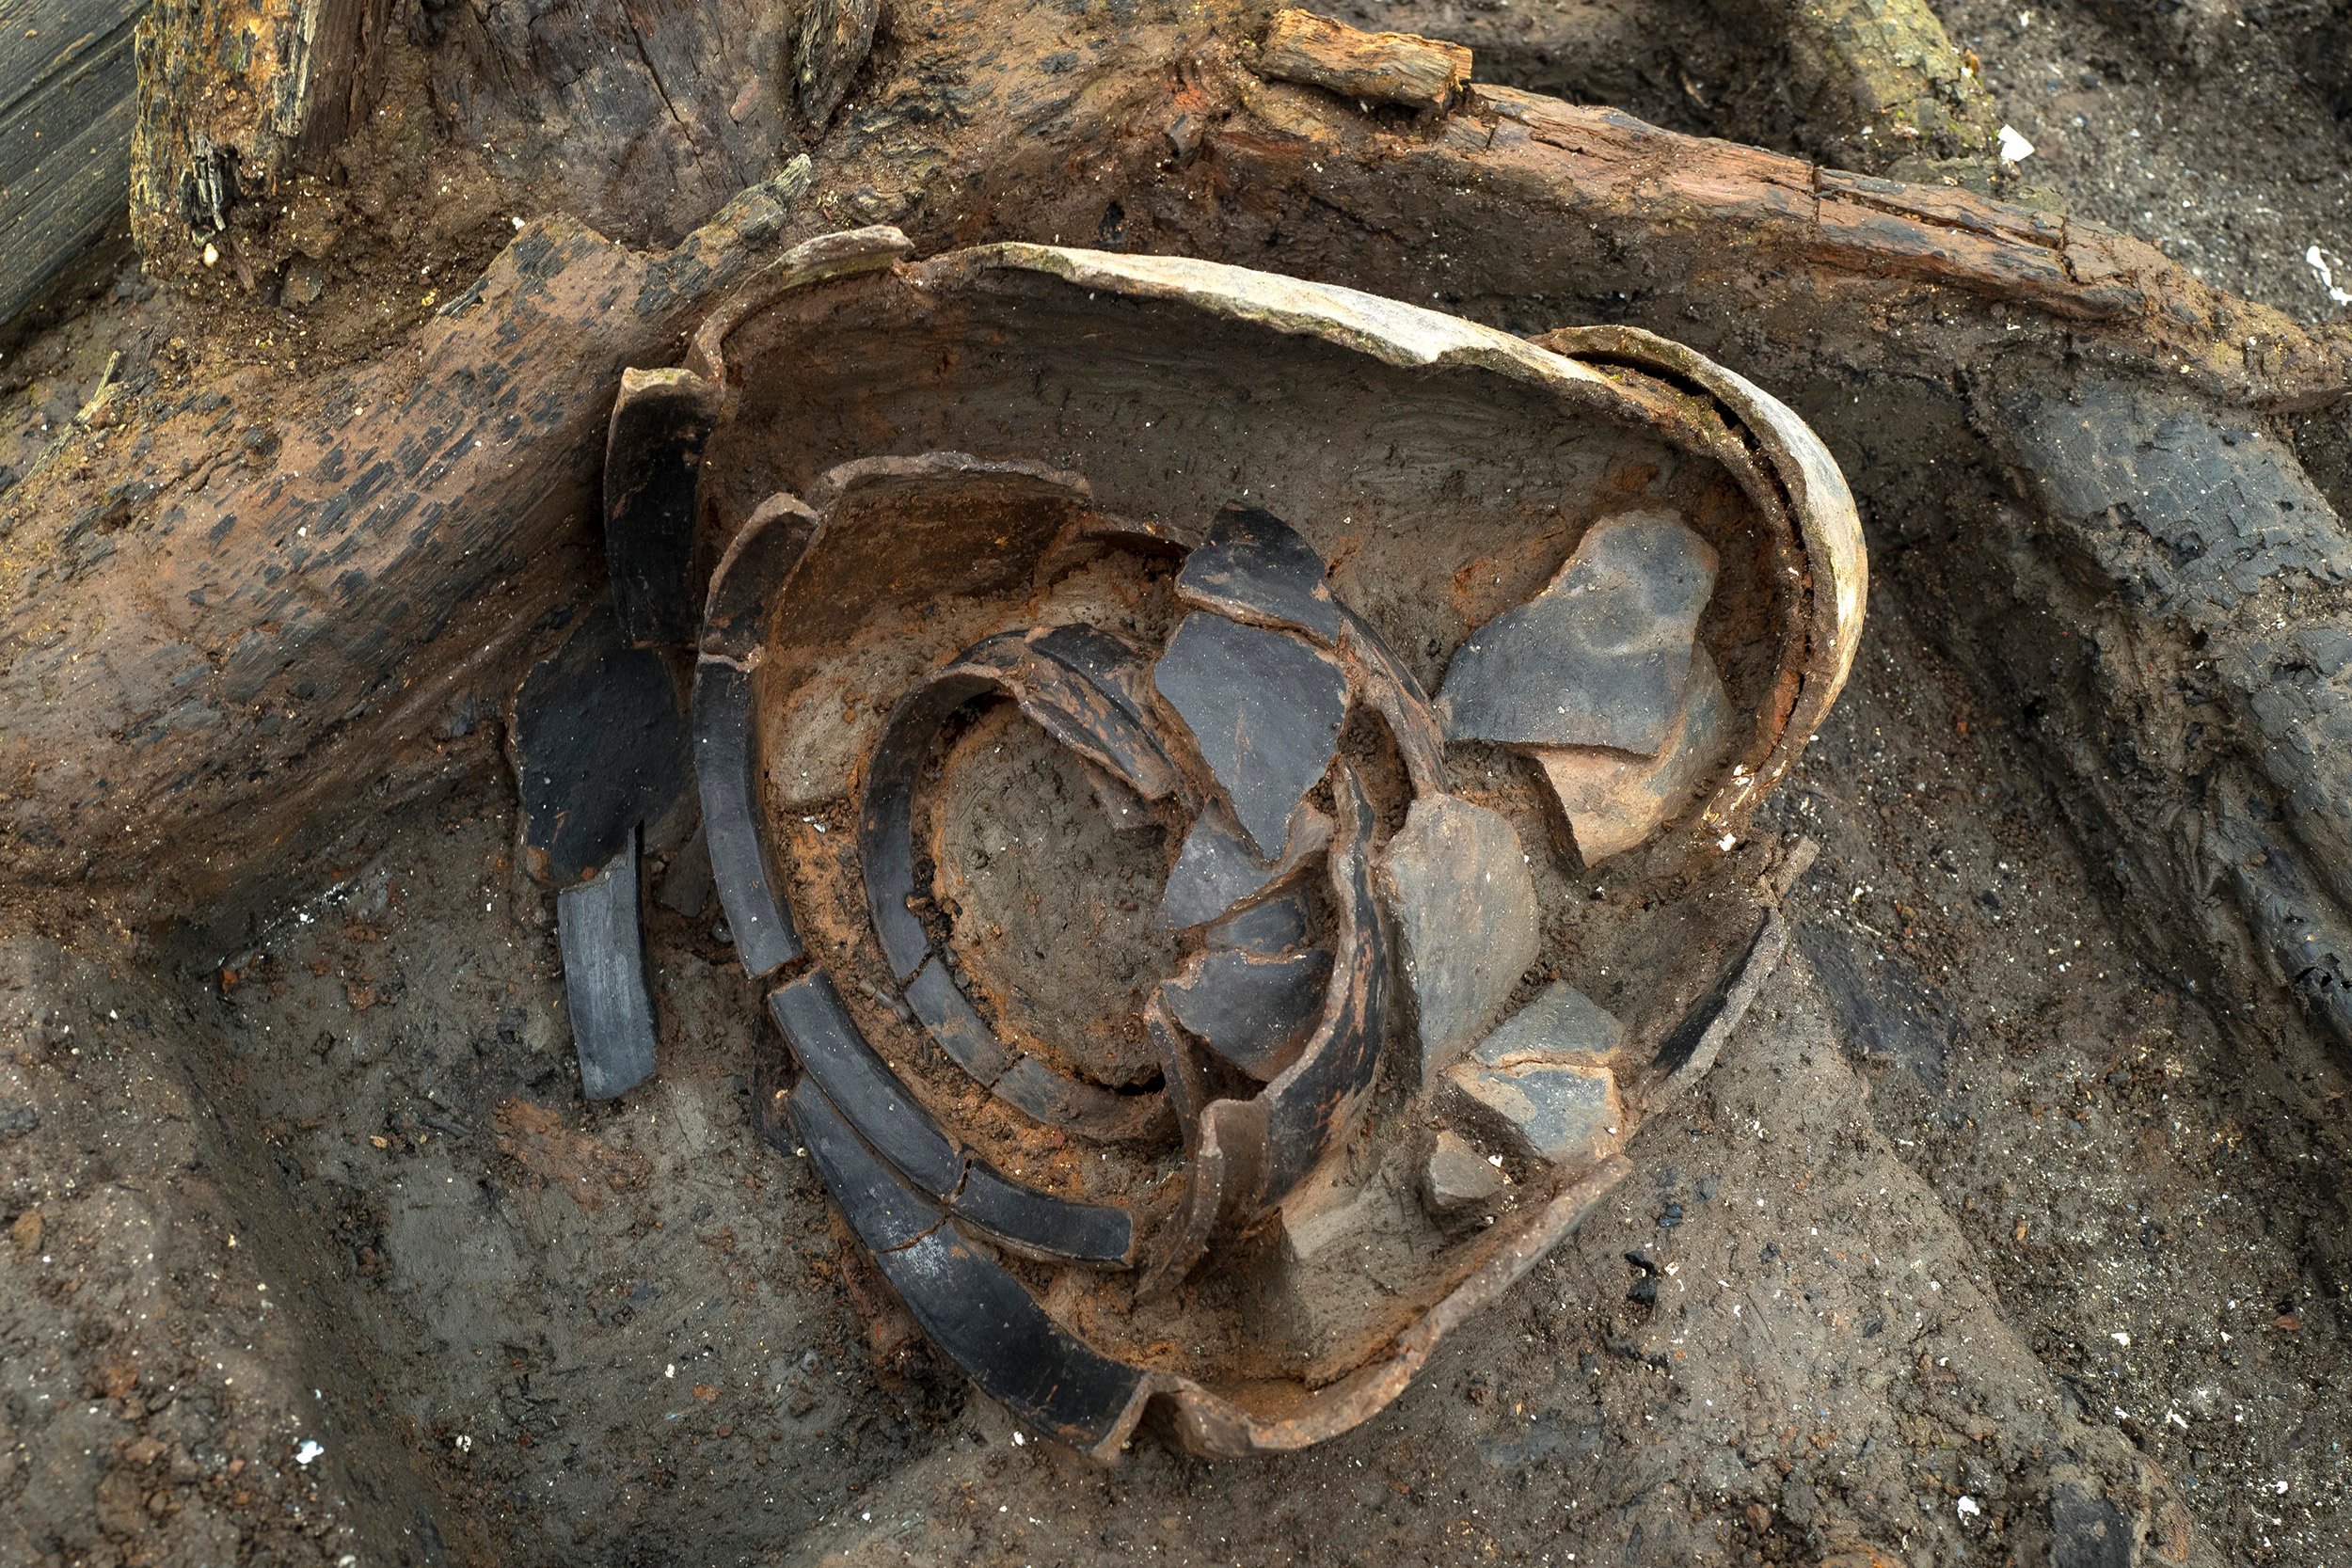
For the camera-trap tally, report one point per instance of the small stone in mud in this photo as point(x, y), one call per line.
point(1264, 710)
point(1465, 907)
point(1253, 566)
point(1457, 1183)
point(1601, 657)
point(303, 285)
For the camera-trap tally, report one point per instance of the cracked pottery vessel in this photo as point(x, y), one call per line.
point(1194, 1017)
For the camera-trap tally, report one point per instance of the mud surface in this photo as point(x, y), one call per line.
point(1021, 826)
point(2218, 132)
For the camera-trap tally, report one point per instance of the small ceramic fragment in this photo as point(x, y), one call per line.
point(1255, 568)
point(833, 1053)
point(1601, 657)
point(1614, 800)
point(1456, 1181)
point(1275, 925)
point(1565, 1112)
point(1112, 665)
point(1249, 1010)
point(1088, 1110)
point(1398, 698)
point(1465, 912)
point(751, 571)
point(1316, 1099)
point(1562, 1023)
point(725, 763)
point(1215, 870)
point(604, 978)
point(1264, 710)
point(955, 1024)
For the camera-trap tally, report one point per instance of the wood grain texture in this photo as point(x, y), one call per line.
point(233, 96)
point(67, 99)
point(291, 593)
point(1374, 68)
point(834, 39)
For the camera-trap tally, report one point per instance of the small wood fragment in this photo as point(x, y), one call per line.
point(1374, 68)
point(835, 38)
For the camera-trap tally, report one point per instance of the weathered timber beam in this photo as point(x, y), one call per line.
point(67, 95)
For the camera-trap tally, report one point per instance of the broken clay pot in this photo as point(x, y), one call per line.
point(1064, 720)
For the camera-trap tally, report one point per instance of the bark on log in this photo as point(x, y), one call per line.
point(67, 99)
point(1403, 69)
point(1878, 85)
point(263, 614)
point(233, 97)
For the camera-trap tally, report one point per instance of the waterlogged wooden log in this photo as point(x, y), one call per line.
point(265, 612)
point(67, 101)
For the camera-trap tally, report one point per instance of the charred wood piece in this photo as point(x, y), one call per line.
point(599, 748)
point(652, 456)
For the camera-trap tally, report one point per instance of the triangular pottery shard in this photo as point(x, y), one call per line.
point(1601, 657)
point(1255, 568)
point(1264, 710)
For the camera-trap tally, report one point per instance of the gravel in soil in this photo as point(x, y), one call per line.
point(2219, 132)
